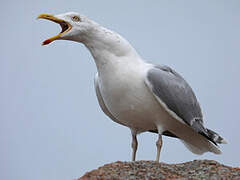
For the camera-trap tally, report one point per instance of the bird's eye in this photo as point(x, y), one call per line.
point(76, 18)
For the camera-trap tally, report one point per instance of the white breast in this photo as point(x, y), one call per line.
point(127, 97)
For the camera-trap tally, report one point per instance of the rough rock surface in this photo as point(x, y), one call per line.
point(150, 170)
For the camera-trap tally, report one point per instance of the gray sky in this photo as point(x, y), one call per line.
point(51, 126)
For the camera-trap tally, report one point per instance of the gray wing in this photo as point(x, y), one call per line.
point(177, 95)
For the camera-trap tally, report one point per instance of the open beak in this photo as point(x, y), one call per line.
point(65, 27)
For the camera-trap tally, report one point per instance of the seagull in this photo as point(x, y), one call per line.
point(142, 96)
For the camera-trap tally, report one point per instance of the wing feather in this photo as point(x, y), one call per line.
point(178, 96)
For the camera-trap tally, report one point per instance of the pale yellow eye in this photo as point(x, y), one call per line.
point(76, 18)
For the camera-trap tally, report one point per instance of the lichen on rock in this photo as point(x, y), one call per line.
point(150, 170)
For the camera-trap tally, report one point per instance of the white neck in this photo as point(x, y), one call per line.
point(107, 48)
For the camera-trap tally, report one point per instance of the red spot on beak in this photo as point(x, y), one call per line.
point(46, 42)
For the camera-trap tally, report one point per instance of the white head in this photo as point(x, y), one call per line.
point(102, 43)
point(73, 25)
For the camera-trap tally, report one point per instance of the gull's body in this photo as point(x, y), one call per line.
point(126, 97)
point(136, 94)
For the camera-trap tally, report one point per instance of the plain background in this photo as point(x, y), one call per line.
point(51, 126)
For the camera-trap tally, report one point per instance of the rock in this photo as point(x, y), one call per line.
point(150, 170)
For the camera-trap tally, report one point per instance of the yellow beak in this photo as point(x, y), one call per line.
point(65, 26)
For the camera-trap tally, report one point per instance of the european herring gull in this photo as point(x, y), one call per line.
point(137, 94)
